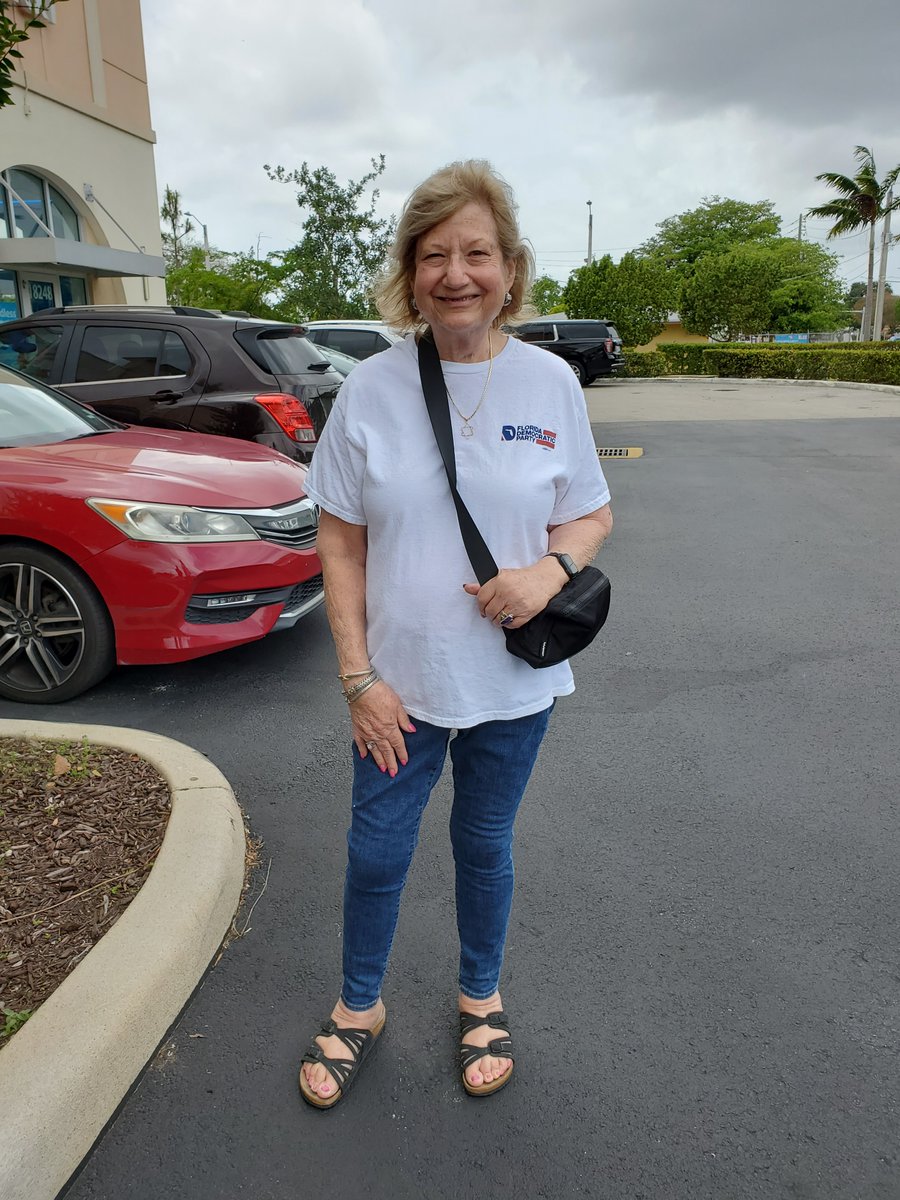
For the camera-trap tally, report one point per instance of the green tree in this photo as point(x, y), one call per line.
point(546, 294)
point(636, 293)
point(862, 203)
point(717, 226)
point(588, 291)
point(643, 291)
point(176, 228)
point(330, 272)
point(807, 294)
point(233, 283)
point(730, 294)
point(12, 34)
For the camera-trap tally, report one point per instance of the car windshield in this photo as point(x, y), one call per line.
point(31, 415)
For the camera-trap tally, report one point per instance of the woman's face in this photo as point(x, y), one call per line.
point(461, 277)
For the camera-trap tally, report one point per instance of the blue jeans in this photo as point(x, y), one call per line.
point(492, 763)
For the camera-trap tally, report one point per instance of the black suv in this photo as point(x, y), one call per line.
point(182, 368)
point(591, 348)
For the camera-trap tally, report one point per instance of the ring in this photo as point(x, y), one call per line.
point(370, 745)
point(505, 617)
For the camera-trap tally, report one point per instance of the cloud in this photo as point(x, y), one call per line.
point(642, 108)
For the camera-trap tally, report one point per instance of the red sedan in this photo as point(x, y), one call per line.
point(126, 545)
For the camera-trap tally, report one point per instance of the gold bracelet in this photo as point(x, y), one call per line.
point(354, 674)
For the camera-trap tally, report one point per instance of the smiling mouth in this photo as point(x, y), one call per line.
point(458, 299)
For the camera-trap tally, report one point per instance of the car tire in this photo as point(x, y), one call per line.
point(56, 636)
point(579, 372)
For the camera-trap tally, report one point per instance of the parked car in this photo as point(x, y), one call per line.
point(360, 339)
point(591, 348)
point(342, 363)
point(181, 368)
point(137, 545)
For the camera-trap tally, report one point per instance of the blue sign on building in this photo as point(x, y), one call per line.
point(791, 337)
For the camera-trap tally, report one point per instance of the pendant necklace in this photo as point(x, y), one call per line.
point(467, 430)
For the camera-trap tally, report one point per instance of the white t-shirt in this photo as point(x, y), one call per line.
point(530, 463)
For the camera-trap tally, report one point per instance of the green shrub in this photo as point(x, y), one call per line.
point(643, 364)
point(761, 362)
point(684, 358)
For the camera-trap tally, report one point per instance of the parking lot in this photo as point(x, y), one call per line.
point(703, 957)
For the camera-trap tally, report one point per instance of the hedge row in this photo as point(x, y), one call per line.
point(689, 358)
point(857, 366)
point(850, 361)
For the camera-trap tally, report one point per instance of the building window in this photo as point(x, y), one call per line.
point(63, 217)
point(73, 290)
point(9, 296)
point(32, 207)
point(28, 206)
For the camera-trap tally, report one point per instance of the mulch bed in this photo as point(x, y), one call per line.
point(80, 828)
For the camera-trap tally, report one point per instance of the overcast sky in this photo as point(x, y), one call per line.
point(641, 106)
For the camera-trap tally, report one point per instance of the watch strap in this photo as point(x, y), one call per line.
point(561, 559)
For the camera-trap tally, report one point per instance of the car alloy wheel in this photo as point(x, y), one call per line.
point(55, 635)
point(579, 371)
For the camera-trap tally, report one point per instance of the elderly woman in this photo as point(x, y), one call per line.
point(420, 647)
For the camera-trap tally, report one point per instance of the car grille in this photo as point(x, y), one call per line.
point(295, 524)
point(303, 592)
point(219, 616)
point(230, 608)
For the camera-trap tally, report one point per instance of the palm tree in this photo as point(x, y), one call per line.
point(862, 203)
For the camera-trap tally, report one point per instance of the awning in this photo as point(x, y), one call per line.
point(38, 252)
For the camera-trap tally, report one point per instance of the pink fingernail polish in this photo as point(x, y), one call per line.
point(382, 769)
point(392, 774)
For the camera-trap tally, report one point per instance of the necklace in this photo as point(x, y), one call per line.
point(467, 430)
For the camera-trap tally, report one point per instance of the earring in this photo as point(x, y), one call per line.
point(507, 299)
point(413, 305)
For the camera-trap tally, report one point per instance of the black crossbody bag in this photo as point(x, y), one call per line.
point(575, 615)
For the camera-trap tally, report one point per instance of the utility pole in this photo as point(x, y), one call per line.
point(590, 257)
point(206, 261)
point(801, 228)
point(882, 269)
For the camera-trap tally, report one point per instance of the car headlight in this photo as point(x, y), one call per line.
point(173, 522)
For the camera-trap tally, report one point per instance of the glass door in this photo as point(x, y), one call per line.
point(38, 292)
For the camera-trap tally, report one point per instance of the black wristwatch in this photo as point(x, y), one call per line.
point(565, 561)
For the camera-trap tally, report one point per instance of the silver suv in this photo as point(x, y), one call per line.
point(359, 339)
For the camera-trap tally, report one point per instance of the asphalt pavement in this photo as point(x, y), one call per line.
point(703, 960)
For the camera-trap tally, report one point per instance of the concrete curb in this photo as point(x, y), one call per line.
point(66, 1071)
point(890, 388)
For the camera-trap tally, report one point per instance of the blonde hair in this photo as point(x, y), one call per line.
point(436, 199)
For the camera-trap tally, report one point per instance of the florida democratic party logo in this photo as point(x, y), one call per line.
point(545, 438)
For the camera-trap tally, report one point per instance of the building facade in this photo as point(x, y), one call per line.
point(79, 218)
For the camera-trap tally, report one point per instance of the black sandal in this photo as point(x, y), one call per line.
point(501, 1047)
point(359, 1042)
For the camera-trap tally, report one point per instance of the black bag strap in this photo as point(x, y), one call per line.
point(435, 390)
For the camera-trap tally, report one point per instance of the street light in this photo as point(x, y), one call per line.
point(590, 257)
point(205, 240)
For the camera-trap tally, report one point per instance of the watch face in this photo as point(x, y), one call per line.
point(567, 563)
